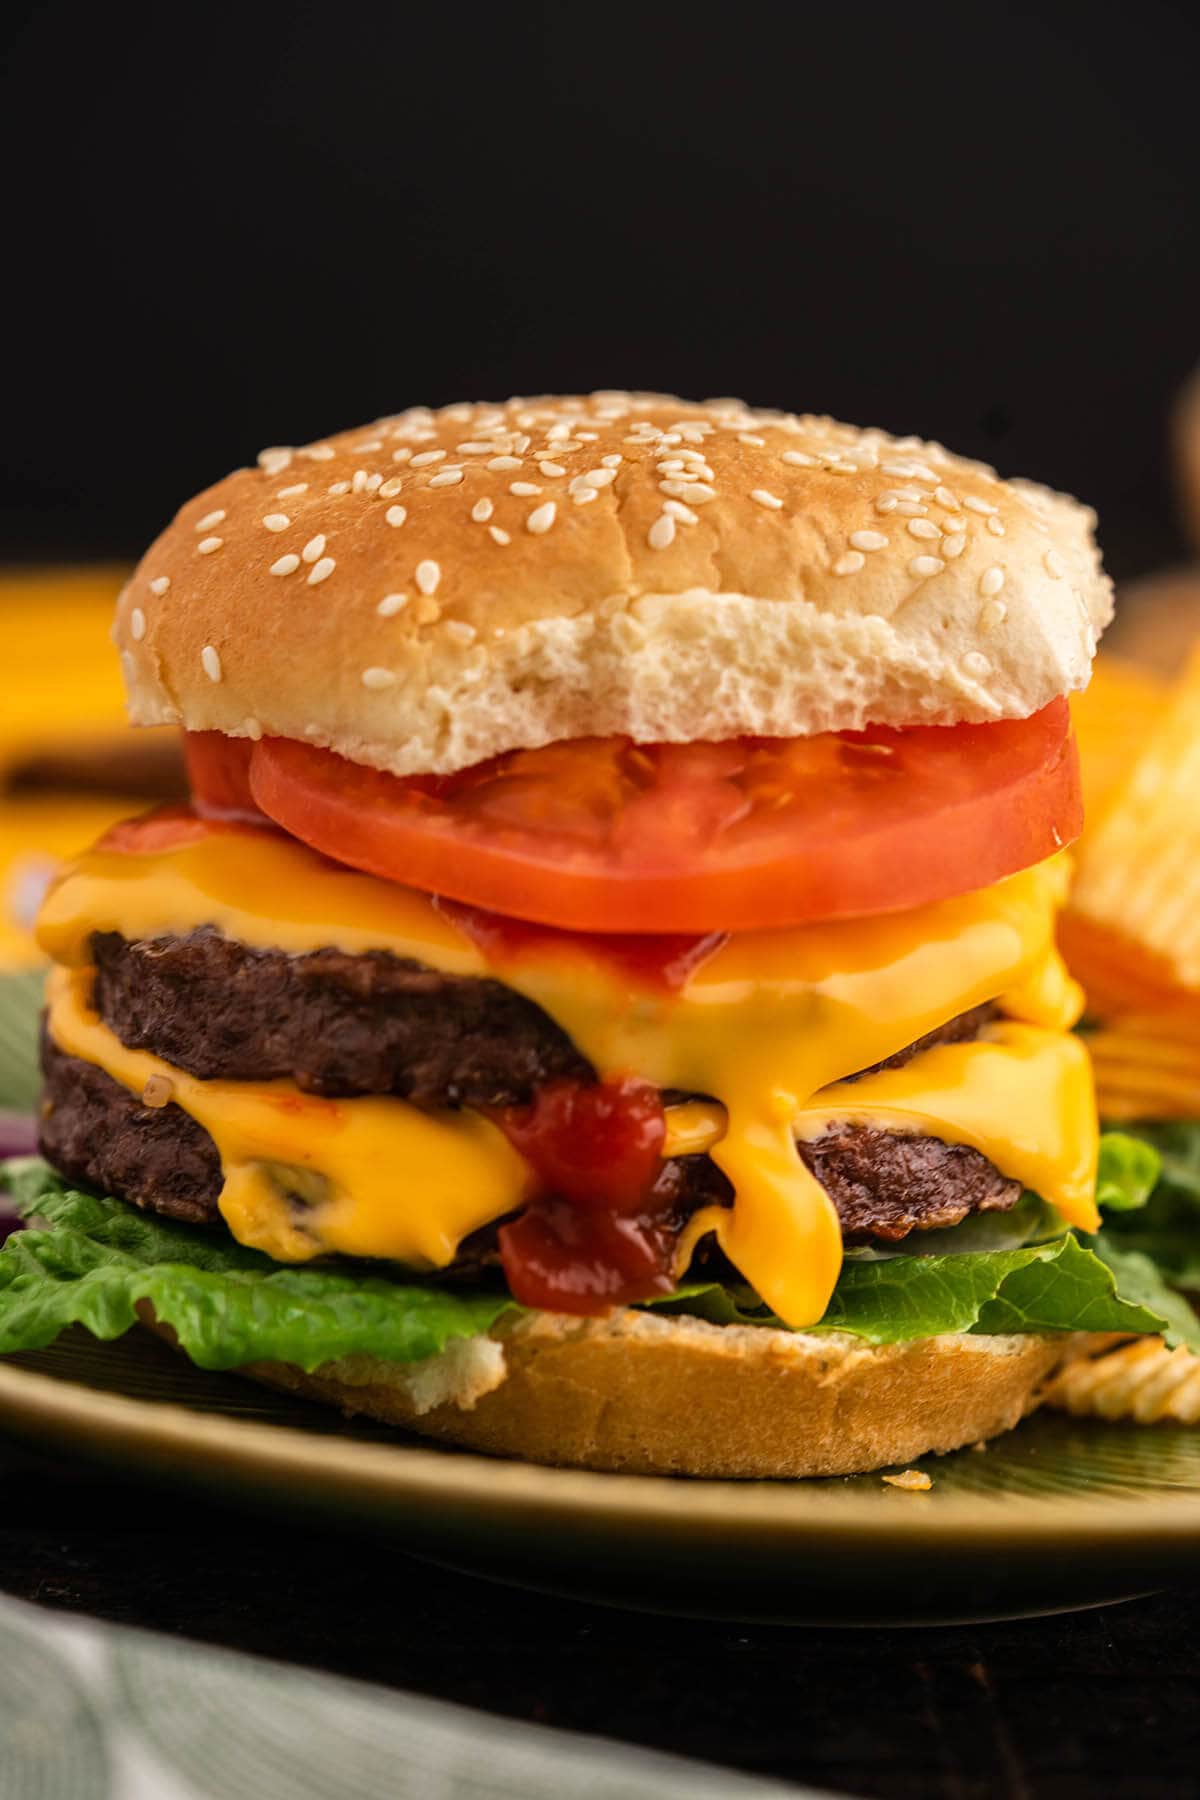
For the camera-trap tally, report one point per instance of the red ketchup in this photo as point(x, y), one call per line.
point(603, 1230)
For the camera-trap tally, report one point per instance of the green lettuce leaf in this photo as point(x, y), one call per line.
point(100, 1258)
point(1068, 1284)
point(89, 1260)
point(1128, 1172)
point(1167, 1228)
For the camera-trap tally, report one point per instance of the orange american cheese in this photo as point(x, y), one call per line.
point(769, 1027)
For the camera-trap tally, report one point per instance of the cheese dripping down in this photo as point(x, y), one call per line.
point(769, 1027)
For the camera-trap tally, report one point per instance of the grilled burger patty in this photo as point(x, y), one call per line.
point(339, 1025)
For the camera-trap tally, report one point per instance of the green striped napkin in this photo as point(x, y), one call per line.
point(93, 1712)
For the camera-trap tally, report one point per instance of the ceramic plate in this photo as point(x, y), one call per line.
point(1055, 1515)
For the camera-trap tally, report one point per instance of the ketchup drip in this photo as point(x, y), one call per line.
point(603, 1230)
point(663, 960)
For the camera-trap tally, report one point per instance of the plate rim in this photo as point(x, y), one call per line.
point(198, 1441)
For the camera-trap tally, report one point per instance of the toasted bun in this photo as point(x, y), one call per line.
point(439, 587)
point(677, 1396)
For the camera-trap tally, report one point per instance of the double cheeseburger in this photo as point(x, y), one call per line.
point(601, 1002)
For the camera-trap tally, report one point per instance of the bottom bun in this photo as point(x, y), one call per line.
point(655, 1395)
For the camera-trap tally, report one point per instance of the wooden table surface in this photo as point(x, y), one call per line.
point(1095, 1703)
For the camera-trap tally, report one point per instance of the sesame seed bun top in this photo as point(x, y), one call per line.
point(438, 587)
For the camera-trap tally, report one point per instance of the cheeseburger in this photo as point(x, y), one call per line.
point(601, 1002)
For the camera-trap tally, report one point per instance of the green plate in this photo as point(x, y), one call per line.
point(1057, 1514)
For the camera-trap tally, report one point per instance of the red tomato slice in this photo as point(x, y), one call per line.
point(218, 770)
point(167, 828)
point(604, 835)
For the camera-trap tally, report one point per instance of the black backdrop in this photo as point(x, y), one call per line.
point(228, 227)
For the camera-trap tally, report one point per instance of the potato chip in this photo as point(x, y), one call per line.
point(1113, 718)
point(1142, 1381)
point(1135, 907)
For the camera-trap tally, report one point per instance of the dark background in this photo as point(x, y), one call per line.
point(228, 227)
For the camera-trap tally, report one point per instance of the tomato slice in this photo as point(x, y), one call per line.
point(218, 771)
point(166, 828)
point(603, 835)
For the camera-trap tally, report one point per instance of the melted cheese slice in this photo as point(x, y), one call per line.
point(769, 1026)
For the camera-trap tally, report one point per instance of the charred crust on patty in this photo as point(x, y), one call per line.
point(158, 1157)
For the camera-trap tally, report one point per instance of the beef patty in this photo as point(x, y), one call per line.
point(100, 1134)
point(339, 1025)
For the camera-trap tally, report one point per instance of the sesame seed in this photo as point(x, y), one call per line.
point(160, 584)
point(976, 663)
point(403, 455)
point(841, 468)
point(396, 515)
point(499, 535)
point(868, 540)
point(297, 487)
point(377, 678)
point(137, 624)
point(391, 604)
point(551, 470)
point(924, 566)
point(459, 632)
point(360, 481)
point(748, 437)
point(953, 545)
point(339, 487)
point(447, 478)
point(541, 518)
point(954, 524)
point(313, 549)
point(924, 528)
point(275, 460)
point(850, 563)
point(678, 510)
point(799, 459)
point(886, 503)
point(944, 497)
point(583, 493)
point(599, 478)
point(765, 498)
point(524, 490)
point(287, 565)
point(207, 545)
point(911, 509)
point(991, 614)
point(372, 483)
point(318, 452)
point(696, 492)
point(429, 574)
point(210, 662)
point(253, 729)
point(390, 487)
point(321, 571)
point(612, 462)
point(505, 462)
point(482, 511)
point(276, 521)
point(473, 449)
point(426, 457)
point(976, 505)
point(996, 527)
point(1054, 564)
point(661, 533)
point(991, 581)
point(427, 610)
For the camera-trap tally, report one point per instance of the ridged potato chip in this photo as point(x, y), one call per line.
point(1142, 1381)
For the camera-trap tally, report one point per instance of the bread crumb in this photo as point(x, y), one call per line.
point(912, 1480)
